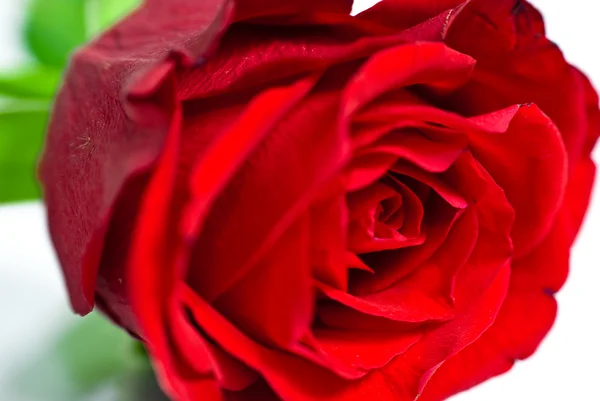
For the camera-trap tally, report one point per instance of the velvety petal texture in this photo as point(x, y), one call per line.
point(287, 203)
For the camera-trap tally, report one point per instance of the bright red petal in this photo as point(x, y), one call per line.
point(532, 150)
point(276, 182)
point(274, 302)
point(518, 64)
point(529, 309)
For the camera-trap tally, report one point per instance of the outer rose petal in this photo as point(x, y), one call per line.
point(517, 63)
point(246, 9)
point(533, 151)
point(529, 309)
point(254, 56)
point(95, 143)
point(403, 14)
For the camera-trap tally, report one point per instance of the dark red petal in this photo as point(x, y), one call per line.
point(93, 146)
point(447, 192)
point(413, 210)
point(533, 151)
point(112, 287)
point(403, 14)
point(259, 391)
point(333, 316)
point(354, 262)
point(246, 9)
point(254, 56)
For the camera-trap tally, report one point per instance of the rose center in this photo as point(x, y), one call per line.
point(383, 216)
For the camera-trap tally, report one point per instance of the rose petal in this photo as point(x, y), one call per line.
point(293, 378)
point(246, 9)
point(414, 146)
point(274, 302)
point(436, 277)
point(539, 160)
point(529, 309)
point(494, 248)
point(368, 232)
point(112, 287)
point(328, 238)
point(395, 303)
point(509, 42)
point(151, 285)
point(93, 146)
point(204, 389)
point(255, 56)
point(406, 375)
point(449, 194)
point(237, 234)
point(258, 391)
point(392, 266)
point(431, 64)
point(365, 350)
point(403, 14)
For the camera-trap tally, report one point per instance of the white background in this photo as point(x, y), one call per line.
point(33, 306)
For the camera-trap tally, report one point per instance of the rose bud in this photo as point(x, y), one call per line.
point(285, 202)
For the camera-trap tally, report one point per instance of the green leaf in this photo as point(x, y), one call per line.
point(108, 12)
point(96, 351)
point(35, 82)
point(54, 28)
point(91, 360)
point(21, 137)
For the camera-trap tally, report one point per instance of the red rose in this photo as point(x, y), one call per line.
point(288, 203)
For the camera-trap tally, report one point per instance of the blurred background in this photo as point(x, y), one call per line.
point(47, 354)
